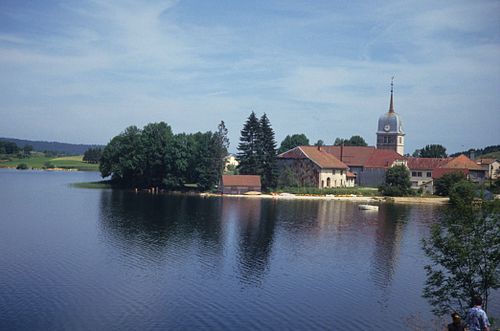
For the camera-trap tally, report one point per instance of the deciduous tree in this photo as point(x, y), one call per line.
point(293, 141)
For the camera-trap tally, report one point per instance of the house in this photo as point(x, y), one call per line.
point(424, 171)
point(368, 163)
point(462, 164)
point(421, 170)
point(491, 166)
point(240, 184)
point(312, 166)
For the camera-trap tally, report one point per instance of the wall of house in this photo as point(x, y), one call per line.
point(240, 189)
point(306, 171)
point(372, 177)
point(421, 178)
point(337, 178)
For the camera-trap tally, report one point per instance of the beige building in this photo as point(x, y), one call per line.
point(314, 167)
point(491, 166)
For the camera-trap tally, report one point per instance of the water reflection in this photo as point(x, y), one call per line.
point(391, 223)
point(256, 222)
point(151, 226)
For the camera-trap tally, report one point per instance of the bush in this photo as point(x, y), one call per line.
point(397, 182)
point(462, 193)
point(48, 165)
point(22, 166)
point(444, 184)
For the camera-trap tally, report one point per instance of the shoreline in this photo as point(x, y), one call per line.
point(371, 199)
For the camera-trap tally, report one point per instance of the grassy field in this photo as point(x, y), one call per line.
point(39, 162)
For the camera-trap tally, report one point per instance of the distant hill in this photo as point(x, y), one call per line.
point(54, 146)
point(477, 153)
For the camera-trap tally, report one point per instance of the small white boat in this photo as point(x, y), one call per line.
point(368, 207)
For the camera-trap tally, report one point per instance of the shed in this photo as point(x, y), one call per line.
point(240, 184)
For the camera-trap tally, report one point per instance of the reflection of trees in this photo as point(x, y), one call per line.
point(145, 224)
point(256, 221)
point(390, 227)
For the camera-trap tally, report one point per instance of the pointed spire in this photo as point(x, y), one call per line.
point(391, 106)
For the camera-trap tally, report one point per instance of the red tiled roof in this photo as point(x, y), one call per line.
point(350, 174)
point(364, 156)
point(462, 162)
point(241, 180)
point(423, 163)
point(318, 156)
point(351, 155)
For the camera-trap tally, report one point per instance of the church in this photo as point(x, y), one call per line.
point(347, 166)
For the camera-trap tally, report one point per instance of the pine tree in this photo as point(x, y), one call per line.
point(267, 153)
point(248, 153)
point(220, 148)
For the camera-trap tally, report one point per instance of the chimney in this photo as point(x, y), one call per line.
point(341, 152)
point(319, 148)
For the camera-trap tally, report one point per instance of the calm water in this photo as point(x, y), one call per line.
point(111, 260)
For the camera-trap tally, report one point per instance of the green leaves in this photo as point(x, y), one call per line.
point(397, 182)
point(464, 250)
point(155, 157)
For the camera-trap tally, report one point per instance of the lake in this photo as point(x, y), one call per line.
point(88, 259)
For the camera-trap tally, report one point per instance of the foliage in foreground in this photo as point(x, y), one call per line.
point(444, 184)
point(464, 249)
point(397, 182)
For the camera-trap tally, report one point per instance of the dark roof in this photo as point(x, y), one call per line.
point(316, 154)
point(241, 180)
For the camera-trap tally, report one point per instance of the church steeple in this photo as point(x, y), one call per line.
point(391, 106)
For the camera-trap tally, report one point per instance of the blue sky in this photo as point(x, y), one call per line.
point(82, 71)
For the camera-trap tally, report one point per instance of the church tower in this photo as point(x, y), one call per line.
point(390, 133)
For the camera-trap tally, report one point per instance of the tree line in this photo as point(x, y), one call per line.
point(156, 157)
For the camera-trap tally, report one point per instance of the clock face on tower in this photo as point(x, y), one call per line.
point(387, 127)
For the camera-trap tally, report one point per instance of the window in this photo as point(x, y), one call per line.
point(419, 174)
point(400, 140)
point(414, 174)
point(341, 172)
point(322, 183)
point(429, 174)
point(328, 182)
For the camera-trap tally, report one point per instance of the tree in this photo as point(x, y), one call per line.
point(221, 148)
point(432, 151)
point(397, 182)
point(248, 147)
point(154, 145)
point(319, 143)
point(464, 250)
point(293, 141)
point(122, 158)
point(442, 185)
point(267, 154)
point(27, 149)
point(353, 141)
point(92, 155)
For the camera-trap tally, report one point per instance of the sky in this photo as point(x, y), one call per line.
point(83, 71)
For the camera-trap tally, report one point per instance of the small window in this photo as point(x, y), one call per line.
point(429, 174)
point(419, 174)
point(341, 172)
point(414, 174)
point(400, 140)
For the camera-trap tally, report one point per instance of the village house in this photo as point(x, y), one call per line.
point(424, 171)
point(491, 166)
point(240, 184)
point(314, 167)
